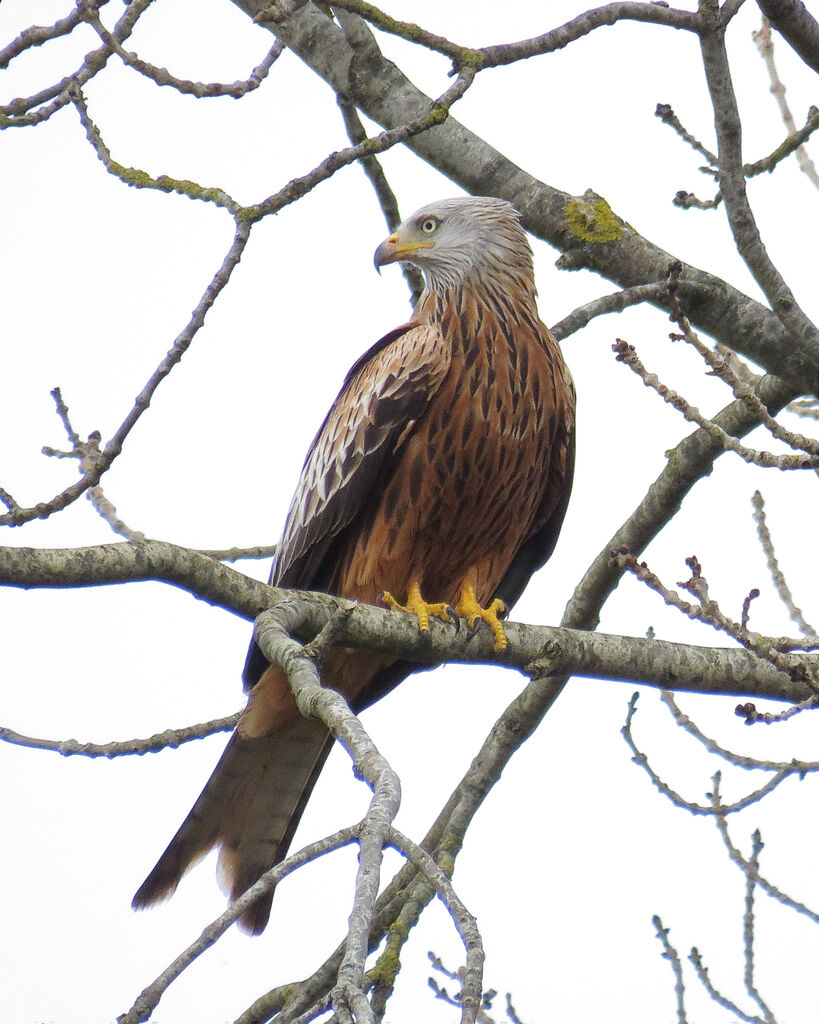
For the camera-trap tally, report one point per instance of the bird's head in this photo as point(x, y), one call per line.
point(454, 241)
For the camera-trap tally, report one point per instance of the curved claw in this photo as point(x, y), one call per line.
point(473, 613)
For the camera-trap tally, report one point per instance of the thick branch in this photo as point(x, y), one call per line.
point(797, 25)
point(803, 335)
point(584, 229)
point(536, 649)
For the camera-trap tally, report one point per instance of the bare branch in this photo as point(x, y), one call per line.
point(273, 632)
point(459, 55)
point(575, 225)
point(202, 90)
point(688, 201)
point(627, 354)
point(666, 114)
point(37, 35)
point(673, 957)
point(17, 515)
point(238, 554)
point(541, 651)
point(88, 454)
point(808, 407)
point(467, 926)
point(777, 576)
point(55, 97)
point(738, 760)
point(618, 301)
point(732, 184)
point(792, 144)
point(509, 53)
point(747, 868)
point(141, 179)
point(721, 366)
point(118, 748)
point(608, 14)
point(641, 759)
point(147, 1001)
point(434, 115)
point(702, 973)
point(384, 194)
point(748, 930)
point(795, 23)
point(707, 610)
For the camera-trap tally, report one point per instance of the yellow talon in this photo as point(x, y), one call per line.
point(469, 608)
point(417, 606)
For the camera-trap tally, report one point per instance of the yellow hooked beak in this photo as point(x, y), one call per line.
point(392, 251)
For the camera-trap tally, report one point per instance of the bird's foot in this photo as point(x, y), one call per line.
point(418, 607)
point(469, 608)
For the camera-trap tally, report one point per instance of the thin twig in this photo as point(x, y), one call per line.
point(202, 90)
point(807, 407)
point(673, 957)
point(17, 516)
point(777, 575)
point(721, 367)
point(746, 868)
point(36, 35)
point(137, 178)
point(804, 348)
point(146, 1002)
point(738, 760)
point(88, 453)
point(119, 748)
point(627, 354)
point(655, 292)
point(383, 192)
point(509, 53)
point(721, 1000)
point(666, 114)
point(748, 929)
point(764, 42)
point(20, 113)
point(641, 759)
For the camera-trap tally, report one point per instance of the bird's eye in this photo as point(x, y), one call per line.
point(429, 225)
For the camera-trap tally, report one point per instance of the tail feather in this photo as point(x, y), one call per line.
point(250, 808)
point(252, 804)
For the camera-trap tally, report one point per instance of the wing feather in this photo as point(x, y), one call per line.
point(382, 398)
point(373, 416)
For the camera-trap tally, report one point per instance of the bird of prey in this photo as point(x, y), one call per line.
point(441, 473)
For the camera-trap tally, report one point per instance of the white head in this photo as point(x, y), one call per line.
point(462, 241)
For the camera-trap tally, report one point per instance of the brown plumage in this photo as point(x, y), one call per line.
point(444, 464)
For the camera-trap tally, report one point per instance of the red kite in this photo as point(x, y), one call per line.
point(443, 469)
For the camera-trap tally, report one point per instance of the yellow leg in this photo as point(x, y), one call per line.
point(417, 606)
point(469, 608)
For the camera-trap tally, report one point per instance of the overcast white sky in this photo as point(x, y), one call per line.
point(573, 851)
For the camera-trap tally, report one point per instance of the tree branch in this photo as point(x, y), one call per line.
point(794, 23)
point(537, 650)
point(588, 233)
point(55, 97)
point(804, 355)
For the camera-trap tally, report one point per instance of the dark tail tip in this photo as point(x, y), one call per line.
point(255, 918)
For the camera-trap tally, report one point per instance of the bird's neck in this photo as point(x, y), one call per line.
point(462, 309)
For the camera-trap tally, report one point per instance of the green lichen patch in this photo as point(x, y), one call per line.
point(593, 220)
